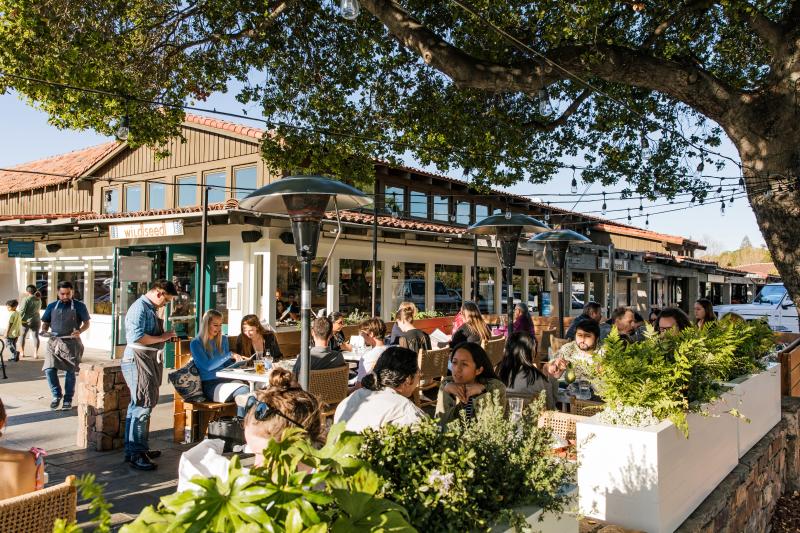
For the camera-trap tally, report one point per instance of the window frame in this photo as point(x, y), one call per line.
point(411, 214)
point(435, 216)
point(178, 186)
point(127, 187)
point(403, 208)
point(104, 206)
point(149, 195)
point(224, 190)
point(234, 180)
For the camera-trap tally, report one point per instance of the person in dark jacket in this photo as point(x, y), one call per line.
point(591, 311)
point(320, 355)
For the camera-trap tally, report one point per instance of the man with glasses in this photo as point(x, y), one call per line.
point(142, 368)
point(672, 319)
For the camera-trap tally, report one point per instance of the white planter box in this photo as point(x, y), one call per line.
point(550, 523)
point(757, 397)
point(652, 478)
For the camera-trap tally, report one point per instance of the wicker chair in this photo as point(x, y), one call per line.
point(494, 349)
point(556, 343)
point(585, 407)
point(432, 367)
point(329, 386)
point(561, 424)
point(36, 512)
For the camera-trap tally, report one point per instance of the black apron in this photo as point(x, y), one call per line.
point(149, 368)
point(63, 353)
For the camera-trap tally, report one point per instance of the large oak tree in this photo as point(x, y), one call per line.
point(430, 79)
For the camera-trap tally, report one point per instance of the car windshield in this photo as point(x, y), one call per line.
point(770, 294)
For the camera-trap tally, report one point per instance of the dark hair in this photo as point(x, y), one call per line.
point(165, 285)
point(592, 306)
point(526, 324)
point(31, 289)
point(480, 358)
point(64, 285)
point(589, 326)
point(3, 417)
point(394, 366)
point(708, 307)
point(374, 326)
point(322, 328)
point(336, 315)
point(12, 303)
point(653, 311)
point(681, 318)
point(618, 313)
point(637, 317)
point(519, 356)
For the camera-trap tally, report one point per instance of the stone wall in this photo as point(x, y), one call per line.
point(103, 399)
point(745, 500)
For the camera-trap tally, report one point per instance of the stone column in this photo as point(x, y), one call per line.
point(103, 399)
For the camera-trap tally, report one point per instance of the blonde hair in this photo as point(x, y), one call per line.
point(474, 320)
point(406, 312)
point(205, 326)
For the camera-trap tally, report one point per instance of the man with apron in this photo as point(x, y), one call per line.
point(142, 367)
point(66, 319)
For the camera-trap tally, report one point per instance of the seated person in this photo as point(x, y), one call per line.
point(256, 339)
point(518, 373)
point(579, 352)
point(385, 394)
point(210, 353)
point(293, 307)
point(410, 337)
point(338, 341)
point(471, 386)
point(622, 318)
point(672, 319)
point(320, 355)
point(21, 471)
point(474, 328)
point(591, 311)
point(373, 331)
point(396, 331)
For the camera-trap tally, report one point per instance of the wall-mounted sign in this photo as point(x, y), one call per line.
point(619, 264)
point(144, 230)
point(20, 248)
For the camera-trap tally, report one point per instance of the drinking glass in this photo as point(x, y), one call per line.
point(584, 390)
point(516, 406)
point(260, 366)
point(268, 358)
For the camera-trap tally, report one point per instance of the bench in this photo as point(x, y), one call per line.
point(190, 419)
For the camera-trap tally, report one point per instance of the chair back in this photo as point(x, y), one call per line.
point(182, 353)
point(36, 512)
point(556, 343)
point(329, 385)
point(561, 424)
point(585, 407)
point(433, 364)
point(494, 349)
point(544, 342)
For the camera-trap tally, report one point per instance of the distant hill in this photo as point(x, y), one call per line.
point(745, 255)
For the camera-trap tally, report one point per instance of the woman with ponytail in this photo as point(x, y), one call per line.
point(384, 396)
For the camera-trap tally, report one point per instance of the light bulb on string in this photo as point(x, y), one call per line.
point(574, 187)
point(741, 182)
point(693, 200)
point(123, 129)
point(547, 214)
point(629, 214)
point(731, 199)
point(508, 214)
point(646, 150)
point(647, 221)
point(722, 208)
point(349, 9)
point(768, 192)
point(702, 165)
point(603, 209)
point(719, 189)
point(545, 107)
point(641, 207)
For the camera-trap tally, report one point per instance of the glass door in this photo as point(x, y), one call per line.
point(183, 310)
point(219, 289)
point(134, 270)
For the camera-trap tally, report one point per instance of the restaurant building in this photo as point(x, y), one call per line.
point(110, 218)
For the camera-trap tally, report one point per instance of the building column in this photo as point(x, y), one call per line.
point(270, 284)
point(239, 282)
point(525, 284)
point(387, 305)
point(430, 284)
point(333, 286)
point(726, 293)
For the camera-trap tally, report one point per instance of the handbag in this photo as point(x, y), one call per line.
point(229, 429)
point(187, 383)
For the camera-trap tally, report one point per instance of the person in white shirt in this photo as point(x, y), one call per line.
point(373, 331)
point(385, 394)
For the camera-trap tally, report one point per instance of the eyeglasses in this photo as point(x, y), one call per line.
point(263, 410)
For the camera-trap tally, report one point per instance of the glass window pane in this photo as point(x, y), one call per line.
point(516, 282)
point(441, 208)
point(419, 204)
point(288, 288)
point(220, 287)
point(187, 191)
point(486, 289)
point(77, 280)
point(216, 191)
point(157, 197)
point(102, 292)
point(40, 280)
point(111, 200)
point(133, 198)
point(245, 180)
point(535, 287)
point(395, 199)
point(463, 213)
point(497, 211)
point(481, 212)
point(447, 291)
point(355, 289)
point(408, 284)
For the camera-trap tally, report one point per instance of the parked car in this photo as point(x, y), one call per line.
point(413, 290)
point(773, 302)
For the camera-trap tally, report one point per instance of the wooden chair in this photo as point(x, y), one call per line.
point(432, 367)
point(556, 343)
point(585, 407)
point(561, 424)
point(329, 386)
point(191, 419)
point(494, 349)
point(36, 512)
point(544, 340)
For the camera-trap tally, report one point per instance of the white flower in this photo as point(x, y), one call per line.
point(628, 415)
point(441, 482)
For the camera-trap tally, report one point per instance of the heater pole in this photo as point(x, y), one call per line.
point(305, 320)
point(510, 298)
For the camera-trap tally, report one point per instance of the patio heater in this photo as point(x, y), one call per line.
point(507, 228)
point(305, 199)
point(560, 241)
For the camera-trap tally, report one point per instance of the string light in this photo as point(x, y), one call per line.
point(644, 144)
point(722, 208)
point(629, 214)
point(646, 221)
point(545, 107)
point(702, 165)
point(349, 9)
point(603, 210)
point(641, 207)
point(574, 187)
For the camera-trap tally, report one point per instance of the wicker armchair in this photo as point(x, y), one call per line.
point(494, 349)
point(329, 386)
point(432, 367)
point(556, 343)
point(561, 424)
point(585, 407)
point(36, 512)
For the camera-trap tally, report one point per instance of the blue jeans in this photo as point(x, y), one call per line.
point(211, 384)
point(12, 347)
point(137, 421)
point(55, 387)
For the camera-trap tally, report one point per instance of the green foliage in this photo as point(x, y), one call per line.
point(470, 475)
point(298, 489)
point(356, 317)
point(99, 508)
point(679, 371)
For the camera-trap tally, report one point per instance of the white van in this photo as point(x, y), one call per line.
point(772, 301)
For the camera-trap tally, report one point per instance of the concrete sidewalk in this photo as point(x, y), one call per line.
point(31, 423)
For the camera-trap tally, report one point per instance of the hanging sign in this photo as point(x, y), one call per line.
point(20, 248)
point(145, 230)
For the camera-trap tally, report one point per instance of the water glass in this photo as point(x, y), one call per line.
point(516, 406)
point(584, 390)
point(268, 357)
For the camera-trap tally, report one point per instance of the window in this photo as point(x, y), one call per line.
point(395, 199)
point(40, 279)
point(187, 191)
point(133, 198)
point(481, 212)
point(355, 292)
point(157, 196)
point(288, 287)
point(441, 208)
point(419, 204)
point(448, 287)
point(486, 289)
point(216, 189)
point(102, 292)
point(111, 200)
point(463, 214)
point(77, 280)
point(535, 288)
point(245, 180)
point(516, 289)
point(408, 284)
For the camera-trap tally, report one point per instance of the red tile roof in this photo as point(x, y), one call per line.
point(239, 129)
point(396, 223)
point(762, 269)
point(229, 204)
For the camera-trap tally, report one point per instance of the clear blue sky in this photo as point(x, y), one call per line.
point(25, 135)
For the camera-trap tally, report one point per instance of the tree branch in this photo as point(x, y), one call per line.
point(562, 120)
point(771, 33)
point(664, 25)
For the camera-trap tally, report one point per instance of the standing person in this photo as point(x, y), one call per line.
point(591, 311)
point(703, 312)
point(66, 318)
point(12, 331)
point(474, 328)
point(142, 368)
point(31, 320)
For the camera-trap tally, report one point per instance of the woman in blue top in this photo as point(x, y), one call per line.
point(210, 353)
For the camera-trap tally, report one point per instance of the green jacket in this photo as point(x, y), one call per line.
point(448, 409)
point(14, 325)
point(29, 309)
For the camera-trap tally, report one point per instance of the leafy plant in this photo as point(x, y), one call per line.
point(430, 313)
point(471, 474)
point(298, 488)
point(99, 508)
point(356, 317)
